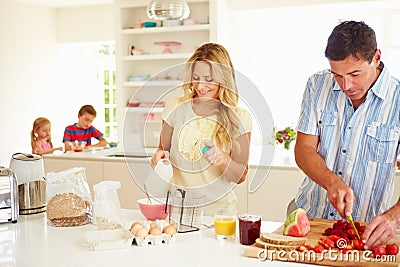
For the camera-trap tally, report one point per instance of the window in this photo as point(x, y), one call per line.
point(106, 80)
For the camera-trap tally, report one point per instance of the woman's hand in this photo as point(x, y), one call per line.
point(215, 156)
point(160, 154)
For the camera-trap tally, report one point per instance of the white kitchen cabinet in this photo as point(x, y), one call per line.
point(93, 169)
point(270, 200)
point(130, 191)
point(153, 62)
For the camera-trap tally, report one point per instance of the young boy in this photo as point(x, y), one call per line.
point(83, 129)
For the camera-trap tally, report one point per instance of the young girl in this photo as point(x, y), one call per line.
point(41, 137)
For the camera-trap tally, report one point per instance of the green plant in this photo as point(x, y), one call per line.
point(285, 136)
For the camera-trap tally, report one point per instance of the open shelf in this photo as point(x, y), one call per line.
point(145, 109)
point(167, 83)
point(157, 57)
point(183, 28)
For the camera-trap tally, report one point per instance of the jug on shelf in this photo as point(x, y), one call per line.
point(29, 171)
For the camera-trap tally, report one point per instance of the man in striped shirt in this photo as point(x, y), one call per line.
point(83, 130)
point(348, 135)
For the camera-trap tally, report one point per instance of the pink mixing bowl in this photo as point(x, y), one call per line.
point(153, 211)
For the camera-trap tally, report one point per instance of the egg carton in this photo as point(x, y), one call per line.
point(154, 240)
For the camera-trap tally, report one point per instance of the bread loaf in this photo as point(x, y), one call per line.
point(67, 209)
point(277, 239)
point(262, 244)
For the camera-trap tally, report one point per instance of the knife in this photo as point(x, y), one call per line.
point(350, 220)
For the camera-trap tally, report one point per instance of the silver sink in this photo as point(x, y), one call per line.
point(129, 155)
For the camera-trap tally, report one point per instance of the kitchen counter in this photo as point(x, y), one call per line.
point(32, 242)
point(278, 160)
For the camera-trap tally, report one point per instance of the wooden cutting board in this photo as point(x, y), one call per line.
point(335, 259)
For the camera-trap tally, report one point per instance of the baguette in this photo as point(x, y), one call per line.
point(261, 244)
point(282, 240)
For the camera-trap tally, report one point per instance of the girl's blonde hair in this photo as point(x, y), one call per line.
point(222, 73)
point(39, 122)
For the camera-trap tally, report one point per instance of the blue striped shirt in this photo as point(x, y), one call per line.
point(359, 146)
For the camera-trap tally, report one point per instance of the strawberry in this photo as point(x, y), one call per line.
point(328, 231)
point(328, 243)
point(302, 248)
point(347, 225)
point(362, 228)
point(337, 226)
point(351, 233)
point(308, 247)
point(378, 251)
point(319, 249)
point(392, 249)
point(334, 238)
point(358, 244)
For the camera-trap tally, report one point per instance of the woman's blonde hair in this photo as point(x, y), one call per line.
point(39, 122)
point(222, 73)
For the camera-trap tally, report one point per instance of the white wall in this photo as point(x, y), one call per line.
point(279, 48)
point(39, 76)
point(85, 24)
point(27, 60)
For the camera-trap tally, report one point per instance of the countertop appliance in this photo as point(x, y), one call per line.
point(29, 170)
point(9, 210)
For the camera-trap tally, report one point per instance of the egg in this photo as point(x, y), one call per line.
point(141, 232)
point(135, 226)
point(155, 230)
point(169, 230)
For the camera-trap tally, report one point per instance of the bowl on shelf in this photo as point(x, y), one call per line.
point(149, 24)
point(154, 209)
point(77, 146)
point(138, 77)
point(171, 22)
point(168, 45)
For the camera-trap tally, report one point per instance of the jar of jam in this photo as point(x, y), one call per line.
point(249, 228)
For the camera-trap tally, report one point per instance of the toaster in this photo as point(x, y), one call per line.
point(9, 210)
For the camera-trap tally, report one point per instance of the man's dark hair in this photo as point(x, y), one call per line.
point(351, 38)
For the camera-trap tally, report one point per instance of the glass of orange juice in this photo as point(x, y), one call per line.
point(225, 225)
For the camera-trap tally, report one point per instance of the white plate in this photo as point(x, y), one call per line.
point(108, 239)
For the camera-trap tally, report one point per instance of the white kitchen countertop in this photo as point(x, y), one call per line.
point(32, 242)
point(279, 161)
point(270, 159)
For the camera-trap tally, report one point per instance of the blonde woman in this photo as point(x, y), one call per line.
point(41, 137)
point(204, 131)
